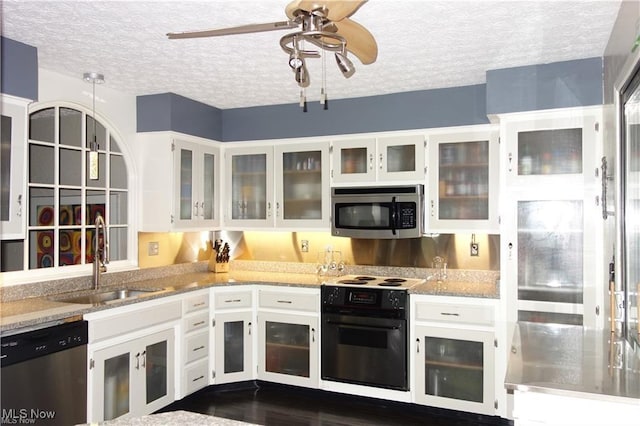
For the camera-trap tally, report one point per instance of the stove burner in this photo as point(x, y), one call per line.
point(356, 281)
point(395, 280)
point(386, 283)
point(364, 278)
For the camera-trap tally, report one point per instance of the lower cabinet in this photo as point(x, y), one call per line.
point(133, 378)
point(454, 356)
point(194, 368)
point(288, 336)
point(234, 347)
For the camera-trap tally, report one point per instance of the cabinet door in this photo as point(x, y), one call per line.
point(353, 161)
point(13, 134)
point(288, 349)
point(234, 347)
point(250, 187)
point(401, 158)
point(463, 182)
point(558, 149)
point(455, 369)
point(551, 257)
point(186, 208)
point(302, 186)
point(196, 181)
point(132, 378)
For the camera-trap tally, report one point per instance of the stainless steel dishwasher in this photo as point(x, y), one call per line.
point(44, 375)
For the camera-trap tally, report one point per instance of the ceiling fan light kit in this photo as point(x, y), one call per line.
point(324, 24)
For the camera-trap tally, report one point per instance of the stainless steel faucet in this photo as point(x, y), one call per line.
point(100, 251)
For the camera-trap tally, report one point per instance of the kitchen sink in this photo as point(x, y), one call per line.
point(105, 296)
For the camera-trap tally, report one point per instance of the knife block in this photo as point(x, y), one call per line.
point(219, 267)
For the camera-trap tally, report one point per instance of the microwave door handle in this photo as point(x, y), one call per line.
point(393, 215)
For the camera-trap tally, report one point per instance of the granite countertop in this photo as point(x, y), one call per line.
point(40, 304)
point(573, 361)
point(174, 418)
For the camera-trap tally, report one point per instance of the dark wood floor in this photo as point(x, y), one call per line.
point(278, 405)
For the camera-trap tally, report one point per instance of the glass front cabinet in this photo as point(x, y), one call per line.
point(13, 137)
point(197, 169)
point(553, 219)
point(233, 347)
point(302, 186)
point(370, 160)
point(133, 378)
point(454, 368)
point(288, 348)
point(463, 181)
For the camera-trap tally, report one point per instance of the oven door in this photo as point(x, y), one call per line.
point(365, 351)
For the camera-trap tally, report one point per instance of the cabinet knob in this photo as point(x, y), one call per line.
point(510, 161)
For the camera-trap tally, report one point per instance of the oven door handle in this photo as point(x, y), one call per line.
point(394, 215)
point(353, 325)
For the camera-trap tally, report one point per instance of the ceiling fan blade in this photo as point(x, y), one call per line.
point(338, 9)
point(243, 29)
point(360, 41)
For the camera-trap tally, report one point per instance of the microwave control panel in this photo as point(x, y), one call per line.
point(407, 212)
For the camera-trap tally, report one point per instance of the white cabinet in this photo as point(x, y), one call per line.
point(286, 185)
point(453, 354)
point(463, 176)
point(382, 159)
point(195, 343)
point(13, 136)
point(180, 182)
point(552, 221)
point(233, 335)
point(132, 357)
point(288, 336)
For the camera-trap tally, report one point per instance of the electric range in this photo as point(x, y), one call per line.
point(374, 281)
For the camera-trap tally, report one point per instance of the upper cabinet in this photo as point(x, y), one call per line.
point(550, 148)
point(463, 181)
point(180, 182)
point(378, 160)
point(286, 185)
point(13, 131)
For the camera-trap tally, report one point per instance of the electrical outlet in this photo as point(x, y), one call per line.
point(154, 248)
point(474, 249)
point(304, 246)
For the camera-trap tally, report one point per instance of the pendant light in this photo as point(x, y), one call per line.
point(93, 78)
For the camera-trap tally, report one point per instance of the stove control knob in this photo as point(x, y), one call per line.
point(394, 300)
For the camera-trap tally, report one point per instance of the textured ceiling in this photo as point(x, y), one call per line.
point(422, 44)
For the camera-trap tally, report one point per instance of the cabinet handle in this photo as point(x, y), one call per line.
point(433, 208)
point(510, 161)
point(417, 346)
point(195, 209)
point(138, 361)
point(381, 162)
point(198, 348)
point(19, 213)
point(232, 301)
point(197, 324)
point(269, 209)
point(249, 328)
point(144, 359)
point(313, 334)
point(197, 378)
point(450, 314)
point(202, 208)
point(284, 301)
point(277, 209)
point(370, 161)
point(195, 305)
point(510, 246)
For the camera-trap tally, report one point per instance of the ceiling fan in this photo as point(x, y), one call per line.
point(322, 23)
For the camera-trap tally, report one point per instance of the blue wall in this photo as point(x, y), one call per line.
point(18, 69)
point(168, 111)
point(537, 87)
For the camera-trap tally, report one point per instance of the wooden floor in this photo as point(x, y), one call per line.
point(278, 405)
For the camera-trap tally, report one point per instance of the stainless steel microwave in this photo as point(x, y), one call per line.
point(385, 212)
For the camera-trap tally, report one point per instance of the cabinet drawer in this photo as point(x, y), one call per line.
point(195, 322)
point(195, 377)
point(195, 303)
point(196, 347)
point(445, 312)
point(285, 300)
point(232, 300)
